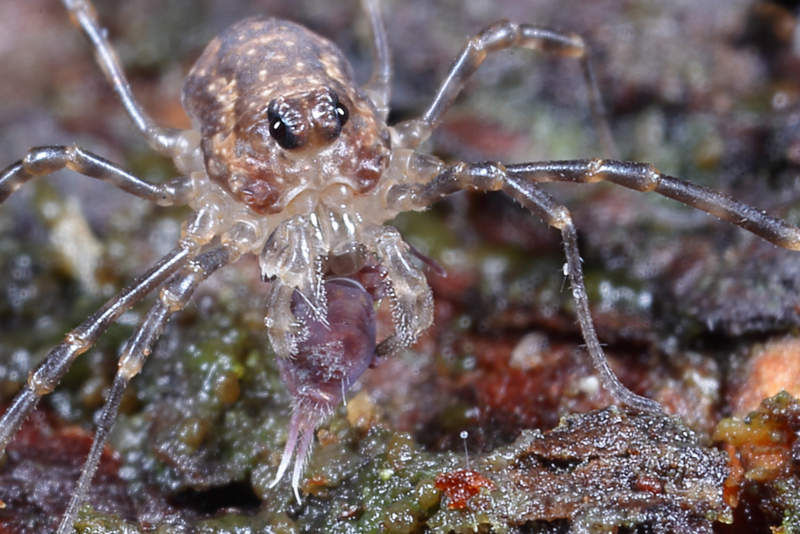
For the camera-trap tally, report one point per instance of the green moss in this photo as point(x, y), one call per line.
point(92, 522)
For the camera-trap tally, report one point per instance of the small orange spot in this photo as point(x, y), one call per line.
point(730, 491)
point(460, 486)
point(649, 483)
point(316, 484)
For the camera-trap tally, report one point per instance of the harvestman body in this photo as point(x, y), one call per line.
point(293, 162)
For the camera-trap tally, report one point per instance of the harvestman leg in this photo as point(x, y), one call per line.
point(379, 85)
point(46, 160)
point(173, 297)
point(493, 177)
point(519, 181)
point(501, 36)
point(41, 161)
point(45, 378)
point(83, 14)
point(645, 177)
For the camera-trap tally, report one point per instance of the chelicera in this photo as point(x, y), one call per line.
point(293, 162)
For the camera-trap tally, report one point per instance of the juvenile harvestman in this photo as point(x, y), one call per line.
point(295, 164)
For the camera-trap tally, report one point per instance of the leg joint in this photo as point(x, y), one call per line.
point(560, 217)
point(578, 42)
point(650, 177)
point(129, 366)
point(487, 176)
point(45, 378)
point(39, 385)
point(549, 41)
point(77, 342)
point(45, 160)
point(498, 36)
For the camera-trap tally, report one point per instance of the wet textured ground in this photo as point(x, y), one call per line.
point(694, 313)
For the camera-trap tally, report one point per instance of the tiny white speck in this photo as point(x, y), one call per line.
point(589, 385)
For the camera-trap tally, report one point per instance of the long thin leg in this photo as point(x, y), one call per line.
point(557, 216)
point(45, 378)
point(83, 14)
point(45, 160)
point(493, 177)
point(379, 85)
point(501, 36)
point(172, 298)
point(645, 177)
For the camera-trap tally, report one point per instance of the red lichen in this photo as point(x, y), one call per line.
point(460, 486)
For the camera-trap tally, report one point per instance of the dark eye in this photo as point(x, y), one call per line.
point(342, 113)
point(280, 131)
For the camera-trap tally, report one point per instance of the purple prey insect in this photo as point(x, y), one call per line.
point(292, 160)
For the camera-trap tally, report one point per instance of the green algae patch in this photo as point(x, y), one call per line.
point(92, 522)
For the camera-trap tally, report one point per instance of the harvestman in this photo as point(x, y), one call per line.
point(294, 162)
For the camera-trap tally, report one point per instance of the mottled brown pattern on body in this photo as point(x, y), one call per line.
point(262, 67)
